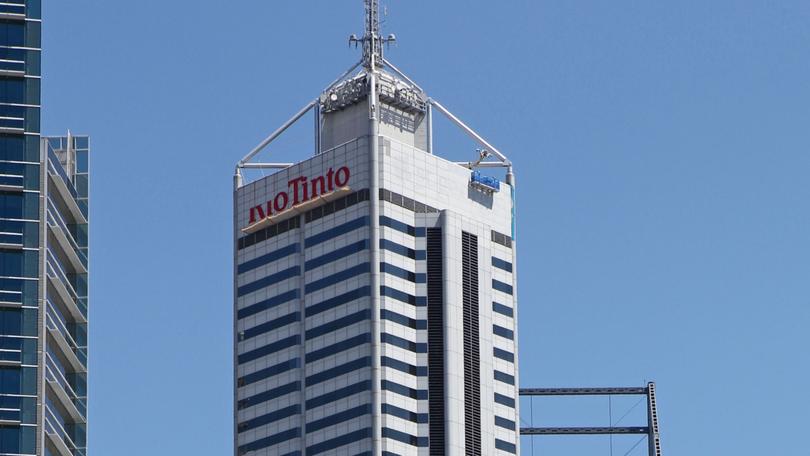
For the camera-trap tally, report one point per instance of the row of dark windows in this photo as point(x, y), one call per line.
point(402, 366)
point(269, 395)
point(505, 378)
point(405, 344)
point(16, 205)
point(405, 391)
point(276, 255)
point(339, 417)
point(338, 347)
point(269, 349)
point(502, 287)
point(404, 274)
point(334, 325)
point(503, 310)
point(337, 371)
point(21, 34)
point(502, 239)
point(338, 442)
point(28, 61)
point(338, 394)
point(18, 322)
point(408, 439)
point(400, 249)
point(335, 255)
point(354, 271)
point(268, 303)
point(401, 227)
point(272, 417)
point(338, 301)
point(274, 439)
point(505, 400)
point(268, 372)
point(309, 216)
point(405, 202)
point(412, 323)
point(272, 279)
point(407, 415)
point(269, 326)
point(504, 423)
point(503, 332)
point(336, 231)
point(504, 355)
point(401, 296)
point(337, 205)
point(502, 264)
point(505, 446)
point(19, 90)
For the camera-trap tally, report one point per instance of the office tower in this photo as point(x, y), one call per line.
point(43, 256)
point(375, 309)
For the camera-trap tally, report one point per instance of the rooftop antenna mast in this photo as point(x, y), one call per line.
point(372, 41)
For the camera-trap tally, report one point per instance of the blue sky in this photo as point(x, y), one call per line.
point(662, 152)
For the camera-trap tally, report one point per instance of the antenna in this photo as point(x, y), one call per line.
point(372, 40)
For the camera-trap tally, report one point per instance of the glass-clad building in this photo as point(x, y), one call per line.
point(43, 257)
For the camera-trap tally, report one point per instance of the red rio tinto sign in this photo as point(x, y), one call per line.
point(301, 190)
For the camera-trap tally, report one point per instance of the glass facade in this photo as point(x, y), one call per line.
point(43, 257)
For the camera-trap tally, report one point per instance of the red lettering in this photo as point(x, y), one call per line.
point(278, 206)
point(294, 184)
point(341, 182)
point(329, 175)
point(254, 211)
point(318, 181)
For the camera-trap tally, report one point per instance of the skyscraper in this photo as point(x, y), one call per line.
point(375, 308)
point(43, 258)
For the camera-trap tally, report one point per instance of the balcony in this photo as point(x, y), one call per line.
point(59, 437)
point(60, 387)
point(60, 336)
point(65, 239)
point(64, 187)
point(67, 295)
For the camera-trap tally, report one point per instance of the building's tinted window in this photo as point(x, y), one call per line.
point(336, 205)
point(403, 297)
point(269, 232)
point(392, 246)
point(419, 371)
point(502, 287)
point(268, 418)
point(504, 355)
point(337, 371)
point(401, 226)
point(19, 263)
point(405, 202)
point(342, 322)
point(388, 315)
point(505, 400)
point(505, 446)
point(336, 348)
point(269, 349)
point(501, 239)
point(269, 372)
point(504, 377)
point(272, 279)
point(504, 423)
point(354, 271)
point(502, 264)
point(338, 254)
point(340, 417)
point(274, 439)
point(503, 332)
point(12, 34)
point(19, 205)
point(337, 442)
point(396, 341)
point(268, 258)
point(388, 385)
point(270, 326)
point(338, 394)
point(11, 321)
point(502, 309)
point(403, 437)
point(269, 395)
point(407, 415)
point(332, 233)
point(338, 301)
point(267, 304)
point(404, 274)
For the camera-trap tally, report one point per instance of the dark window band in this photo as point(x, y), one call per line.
point(270, 326)
point(337, 371)
point(269, 418)
point(503, 310)
point(341, 346)
point(270, 441)
point(405, 202)
point(267, 304)
point(502, 239)
point(337, 418)
point(505, 446)
point(401, 227)
point(504, 423)
point(269, 372)
point(272, 279)
point(338, 394)
point(343, 322)
point(400, 249)
point(407, 415)
point(269, 232)
point(283, 252)
point(337, 301)
point(505, 378)
point(503, 332)
point(269, 349)
point(408, 439)
point(502, 287)
point(401, 296)
point(336, 231)
point(505, 400)
point(266, 396)
point(404, 274)
point(502, 264)
point(337, 205)
point(388, 315)
point(337, 442)
point(504, 355)
point(338, 254)
point(418, 371)
point(404, 390)
point(360, 269)
point(397, 341)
